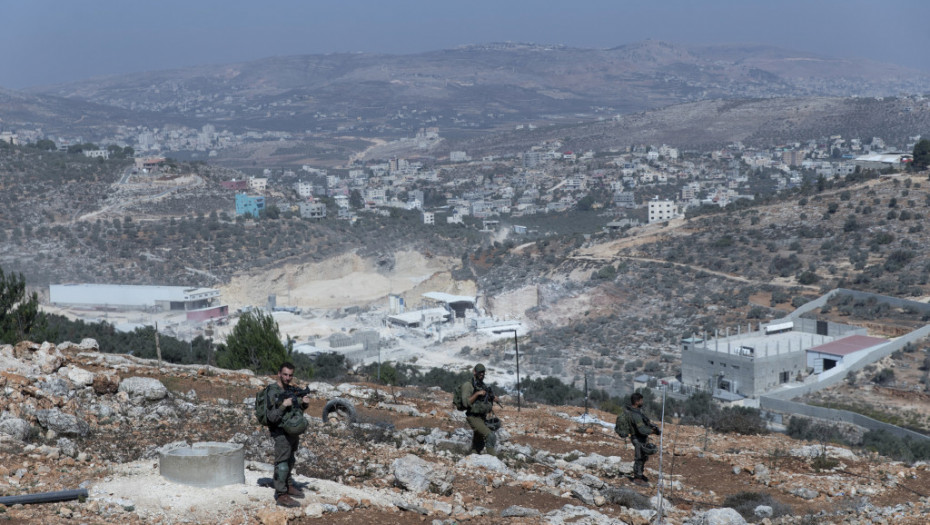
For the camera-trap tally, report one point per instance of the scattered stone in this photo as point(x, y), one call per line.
point(724, 516)
point(516, 511)
point(105, 384)
point(805, 492)
point(15, 427)
point(417, 475)
point(147, 388)
point(763, 511)
point(403, 505)
point(584, 493)
point(61, 423)
point(592, 481)
point(574, 514)
point(762, 474)
point(80, 377)
point(478, 462)
point(314, 510)
point(272, 516)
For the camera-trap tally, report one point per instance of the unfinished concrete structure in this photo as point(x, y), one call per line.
point(754, 362)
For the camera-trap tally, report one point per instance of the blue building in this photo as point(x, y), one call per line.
point(249, 205)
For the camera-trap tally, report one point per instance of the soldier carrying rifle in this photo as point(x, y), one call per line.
point(280, 407)
point(477, 400)
point(633, 423)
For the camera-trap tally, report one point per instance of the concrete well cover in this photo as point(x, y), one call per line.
point(204, 464)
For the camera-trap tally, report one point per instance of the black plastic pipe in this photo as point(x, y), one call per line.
point(44, 497)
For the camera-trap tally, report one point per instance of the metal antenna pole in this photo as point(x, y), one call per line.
point(661, 440)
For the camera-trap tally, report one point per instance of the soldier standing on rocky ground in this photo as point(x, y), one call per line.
point(281, 414)
point(478, 402)
point(640, 429)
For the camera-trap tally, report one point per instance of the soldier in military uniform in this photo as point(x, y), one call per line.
point(285, 442)
point(640, 429)
point(479, 401)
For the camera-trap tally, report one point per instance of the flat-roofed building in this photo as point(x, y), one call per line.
point(829, 355)
point(199, 303)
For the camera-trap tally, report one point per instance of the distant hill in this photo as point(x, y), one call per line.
point(471, 87)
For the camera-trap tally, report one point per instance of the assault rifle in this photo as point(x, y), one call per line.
point(655, 428)
point(489, 396)
point(296, 394)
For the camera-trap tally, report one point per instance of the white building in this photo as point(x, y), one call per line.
point(458, 156)
point(304, 189)
point(258, 183)
point(662, 210)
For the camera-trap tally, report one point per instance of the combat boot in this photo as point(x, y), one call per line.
point(286, 501)
point(294, 492)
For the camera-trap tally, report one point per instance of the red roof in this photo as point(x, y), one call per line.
point(848, 345)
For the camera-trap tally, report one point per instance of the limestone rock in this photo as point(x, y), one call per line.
point(272, 516)
point(67, 447)
point(314, 510)
point(147, 388)
point(80, 377)
point(516, 511)
point(724, 516)
point(48, 358)
point(417, 475)
point(105, 384)
point(762, 474)
point(805, 492)
point(61, 423)
point(584, 493)
point(15, 427)
point(573, 514)
point(479, 462)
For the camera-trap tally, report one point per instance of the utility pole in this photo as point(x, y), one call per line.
point(157, 346)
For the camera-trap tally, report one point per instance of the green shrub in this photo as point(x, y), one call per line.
point(626, 498)
point(740, 420)
point(746, 502)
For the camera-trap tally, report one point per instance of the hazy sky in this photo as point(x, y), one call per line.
point(49, 41)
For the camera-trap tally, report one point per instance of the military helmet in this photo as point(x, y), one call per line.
point(650, 449)
point(479, 368)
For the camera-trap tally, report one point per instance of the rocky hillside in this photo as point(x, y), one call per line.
point(75, 418)
point(478, 86)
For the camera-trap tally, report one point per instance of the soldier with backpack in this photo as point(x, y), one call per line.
point(633, 423)
point(477, 401)
point(283, 414)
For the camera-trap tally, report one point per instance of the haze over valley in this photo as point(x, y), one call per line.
point(582, 219)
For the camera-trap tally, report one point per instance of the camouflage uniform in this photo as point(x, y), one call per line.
point(640, 429)
point(285, 445)
point(476, 416)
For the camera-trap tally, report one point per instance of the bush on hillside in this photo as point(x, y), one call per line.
point(746, 502)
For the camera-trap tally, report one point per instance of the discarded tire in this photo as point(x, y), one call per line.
point(339, 408)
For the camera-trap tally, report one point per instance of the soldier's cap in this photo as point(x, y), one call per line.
point(479, 368)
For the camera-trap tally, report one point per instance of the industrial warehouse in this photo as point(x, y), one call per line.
point(199, 304)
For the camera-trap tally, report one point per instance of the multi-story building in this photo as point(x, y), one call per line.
point(249, 204)
point(312, 210)
point(662, 210)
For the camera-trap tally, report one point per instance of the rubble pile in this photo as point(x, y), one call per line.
point(74, 418)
